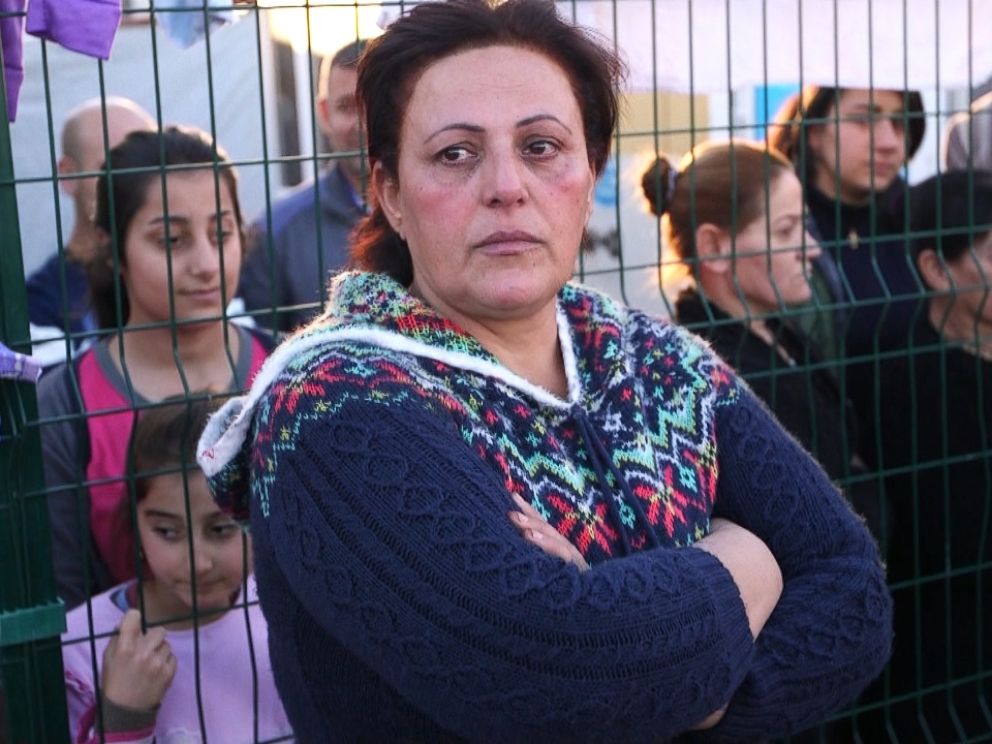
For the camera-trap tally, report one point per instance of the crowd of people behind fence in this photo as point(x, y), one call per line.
point(481, 500)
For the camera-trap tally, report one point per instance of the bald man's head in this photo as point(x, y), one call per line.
point(83, 151)
point(82, 133)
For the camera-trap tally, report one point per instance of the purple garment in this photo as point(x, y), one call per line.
point(11, 31)
point(84, 26)
point(16, 366)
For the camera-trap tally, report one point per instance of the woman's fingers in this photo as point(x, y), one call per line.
point(538, 532)
point(526, 508)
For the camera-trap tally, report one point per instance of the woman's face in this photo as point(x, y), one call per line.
point(862, 147)
point(494, 184)
point(202, 248)
point(199, 553)
point(771, 268)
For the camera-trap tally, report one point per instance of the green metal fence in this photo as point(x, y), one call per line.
point(625, 256)
point(31, 616)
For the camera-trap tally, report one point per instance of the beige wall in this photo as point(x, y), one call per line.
point(634, 276)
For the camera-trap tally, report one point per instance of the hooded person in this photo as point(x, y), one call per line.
point(412, 462)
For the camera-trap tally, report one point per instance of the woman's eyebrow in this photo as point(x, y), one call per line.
point(222, 214)
point(543, 117)
point(475, 128)
point(460, 126)
point(163, 514)
point(872, 108)
point(168, 218)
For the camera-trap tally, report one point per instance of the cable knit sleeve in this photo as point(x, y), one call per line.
point(387, 566)
point(830, 633)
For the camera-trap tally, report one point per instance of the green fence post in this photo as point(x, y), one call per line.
point(32, 691)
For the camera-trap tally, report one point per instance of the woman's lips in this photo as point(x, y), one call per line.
point(203, 295)
point(507, 242)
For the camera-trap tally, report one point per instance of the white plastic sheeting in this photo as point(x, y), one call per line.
point(709, 46)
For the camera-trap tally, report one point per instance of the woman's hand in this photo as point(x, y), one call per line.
point(538, 532)
point(751, 565)
point(137, 667)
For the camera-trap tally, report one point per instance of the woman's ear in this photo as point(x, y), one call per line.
point(590, 197)
point(713, 248)
point(387, 192)
point(933, 272)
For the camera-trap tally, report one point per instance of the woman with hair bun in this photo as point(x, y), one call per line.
point(733, 213)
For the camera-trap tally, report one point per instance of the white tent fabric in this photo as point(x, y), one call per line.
point(710, 46)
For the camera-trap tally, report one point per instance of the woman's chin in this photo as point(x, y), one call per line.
point(523, 288)
point(519, 299)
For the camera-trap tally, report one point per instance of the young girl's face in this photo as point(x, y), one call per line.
point(213, 570)
point(202, 247)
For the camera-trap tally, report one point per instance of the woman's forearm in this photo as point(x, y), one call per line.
point(752, 566)
point(830, 632)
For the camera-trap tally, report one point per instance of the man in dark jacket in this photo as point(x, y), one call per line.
point(302, 238)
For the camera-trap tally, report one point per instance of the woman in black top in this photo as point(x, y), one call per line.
point(849, 146)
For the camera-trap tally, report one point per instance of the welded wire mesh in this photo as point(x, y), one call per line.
point(906, 421)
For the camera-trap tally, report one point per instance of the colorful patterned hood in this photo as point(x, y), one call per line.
point(625, 461)
point(375, 309)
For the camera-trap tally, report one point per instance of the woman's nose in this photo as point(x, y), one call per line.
point(205, 259)
point(887, 134)
point(503, 181)
point(811, 247)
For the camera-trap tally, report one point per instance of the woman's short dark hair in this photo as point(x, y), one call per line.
point(137, 164)
point(720, 183)
point(813, 106)
point(393, 62)
point(949, 213)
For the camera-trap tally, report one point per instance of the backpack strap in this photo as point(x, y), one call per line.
point(72, 378)
point(264, 338)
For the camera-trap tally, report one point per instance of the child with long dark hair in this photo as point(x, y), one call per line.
point(182, 652)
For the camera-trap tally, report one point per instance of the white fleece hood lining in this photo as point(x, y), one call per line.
point(227, 429)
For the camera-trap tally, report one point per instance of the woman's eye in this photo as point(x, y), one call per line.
point(859, 120)
point(542, 147)
point(455, 154)
point(225, 530)
point(169, 534)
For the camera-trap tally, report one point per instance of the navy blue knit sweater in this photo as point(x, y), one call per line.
point(403, 604)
